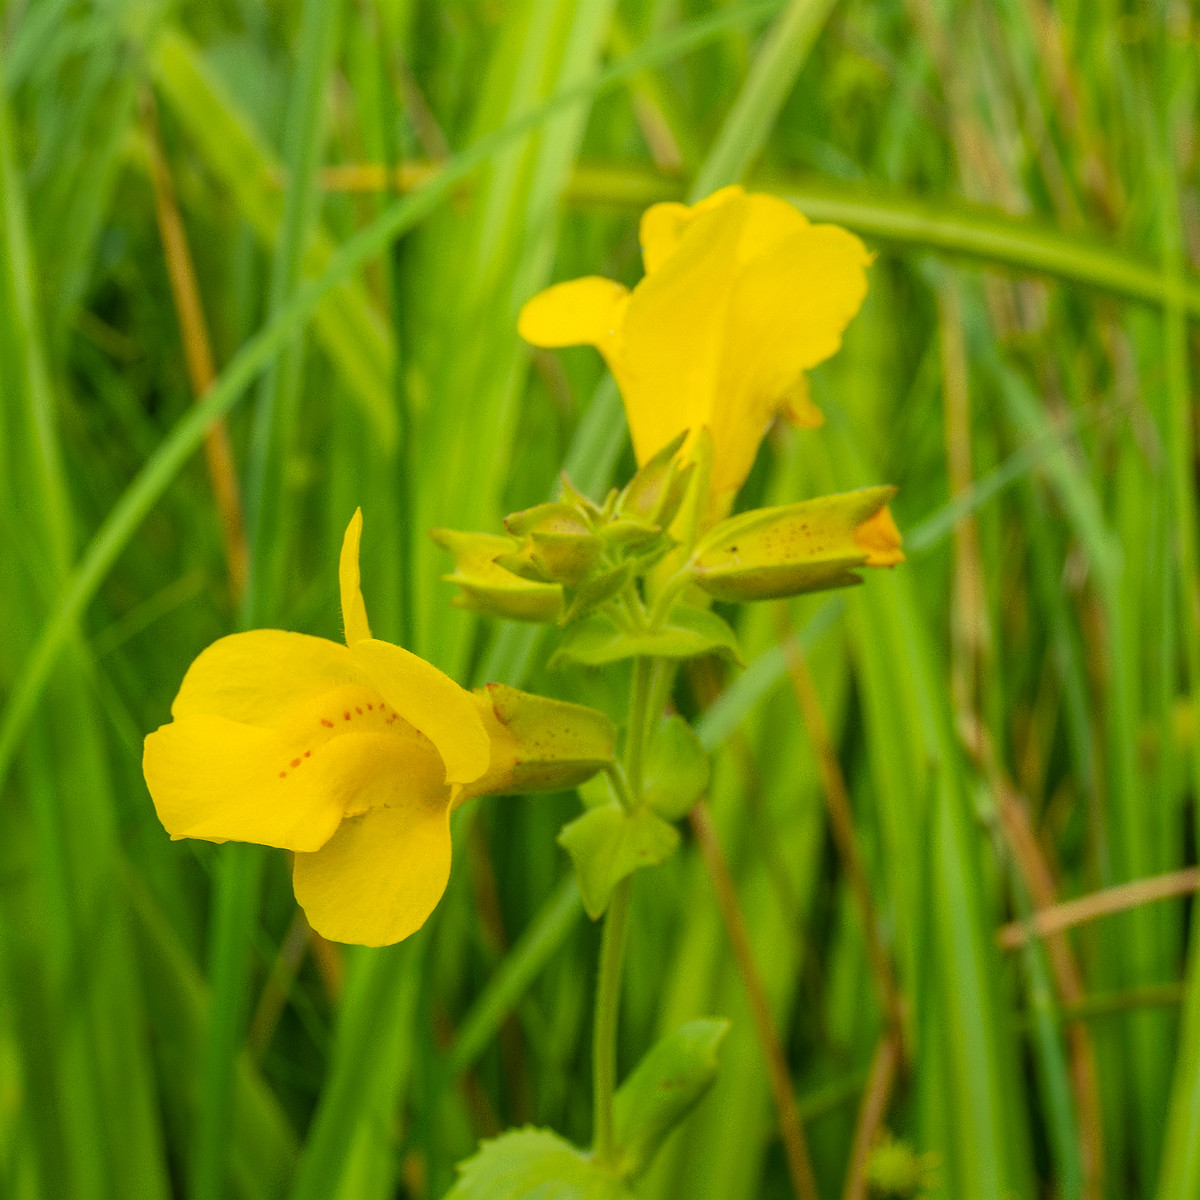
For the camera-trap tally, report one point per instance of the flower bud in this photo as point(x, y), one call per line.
point(559, 544)
point(794, 548)
point(487, 587)
point(654, 494)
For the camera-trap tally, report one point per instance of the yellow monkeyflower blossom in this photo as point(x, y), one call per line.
point(741, 296)
point(352, 756)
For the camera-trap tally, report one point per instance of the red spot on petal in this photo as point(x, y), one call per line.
point(295, 762)
point(327, 724)
point(370, 708)
point(345, 716)
point(282, 774)
point(308, 754)
point(359, 711)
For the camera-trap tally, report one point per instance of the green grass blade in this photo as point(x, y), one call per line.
point(772, 75)
point(348, 326)
point(511, 979)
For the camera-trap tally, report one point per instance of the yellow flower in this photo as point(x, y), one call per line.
point(352, 756)
point(741, 295)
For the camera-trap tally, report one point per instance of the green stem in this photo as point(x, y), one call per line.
point(616, 921)
point(616, 775)
point(639, 716)
point(608, 1003)
point(671, 591)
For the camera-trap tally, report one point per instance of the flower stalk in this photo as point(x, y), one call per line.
point(604, 1034)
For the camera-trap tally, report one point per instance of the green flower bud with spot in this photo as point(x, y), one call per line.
point(794, 548)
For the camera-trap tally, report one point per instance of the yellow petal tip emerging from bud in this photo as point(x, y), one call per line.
point(880, 538)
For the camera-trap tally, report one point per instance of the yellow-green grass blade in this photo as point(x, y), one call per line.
point(262, 1147)
point(505, 251)
point(1180, 1163)
point(84, 1052)
point(271, 536)
point(347, 323)
point(747, 125)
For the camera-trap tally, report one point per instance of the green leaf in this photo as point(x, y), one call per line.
point(688, 633)
point(608, 843)
point(676, 769)
point(534, 1164)
point(598, 791)
point(665, 1086)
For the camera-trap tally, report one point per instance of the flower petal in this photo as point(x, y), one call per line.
point(213, 778)
point(380, 876)
point(795, 298)
point(788, 309)
point(256, 677)
point(880, 538)
point(354, 611)
point(663, 225)
point(670, 345)
point(431, 702)
point(766, 221)
point(304, 757)
point(581, 312)
point(798, 408)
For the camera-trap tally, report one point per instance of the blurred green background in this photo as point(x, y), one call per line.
point(328, 212)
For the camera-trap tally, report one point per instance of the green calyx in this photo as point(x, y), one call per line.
point(569, 558)
point(770, 553)
point(485, 586)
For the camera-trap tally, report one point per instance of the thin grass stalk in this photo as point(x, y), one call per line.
point(237, 884)
point(1180, 1165)
point(1073, 1154)
point(236, 903)
point(275, 411)
point(748, 124)
point(1052, 918)
point(791, 1129)
point(872, 1111)
point(604, 1033)
point(841, 822)
point(197, 350)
